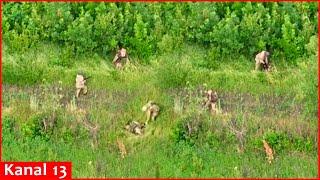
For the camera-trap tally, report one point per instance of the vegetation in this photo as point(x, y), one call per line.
point(176, 49)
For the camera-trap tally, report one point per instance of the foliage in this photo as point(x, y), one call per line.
point(178, 50)
point(231, 28)
point(188, 130)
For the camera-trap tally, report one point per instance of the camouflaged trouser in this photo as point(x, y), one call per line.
point(83, 89)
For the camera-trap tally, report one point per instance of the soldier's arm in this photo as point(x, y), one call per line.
point(266, 60)
point(116, 57)
point(259, 58)
point(207, 103)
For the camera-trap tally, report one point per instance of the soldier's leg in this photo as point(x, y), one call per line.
point(119, 66)
point(217, 108)
point(212, 109)
point(85, 90)
point(270, 159)
point(153, 116)
point(137, 130)
point(257, 66)
point(148, 116)
point(78, 92)
point(207, 104)
point(269, 67)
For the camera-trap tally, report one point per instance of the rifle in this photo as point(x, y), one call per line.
point(266, 66)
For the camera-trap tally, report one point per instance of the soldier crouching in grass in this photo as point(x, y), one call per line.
point(80, 85)
point(121, 58)
point(152, 111)
point(262, 59)
point(211, 99)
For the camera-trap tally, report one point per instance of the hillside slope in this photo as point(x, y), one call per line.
point(280, 106)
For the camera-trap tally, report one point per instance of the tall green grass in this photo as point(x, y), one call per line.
point(279, 106)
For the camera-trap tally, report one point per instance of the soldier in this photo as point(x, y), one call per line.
point(119, 57)
point(122, 148)
point(211, 101)
point(80, 85)
point(135, 127)
point(268, 150)
point(262, 59)
point(152, 110)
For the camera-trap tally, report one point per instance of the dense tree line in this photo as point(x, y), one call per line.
point(228, 29)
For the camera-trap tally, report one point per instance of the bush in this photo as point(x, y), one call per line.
point(189, 130)
point(98, 27)
point(312, 46)
point(8, 132)
point(23, 71)
point(278, 141)
point(282, 142)
point(34, 127)
point(172, 73)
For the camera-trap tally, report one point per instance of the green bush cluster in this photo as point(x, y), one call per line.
point(282, 142)
point(188, 130)
point(22, 71)
point(146, 29)
point(197, 46)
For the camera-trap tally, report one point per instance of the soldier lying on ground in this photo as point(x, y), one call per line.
point(135, 127)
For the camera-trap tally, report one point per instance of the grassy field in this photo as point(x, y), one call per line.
point(280, 106)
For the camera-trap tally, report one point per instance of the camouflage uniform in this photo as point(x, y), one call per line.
point(135, 127)
point(152, 110)
point(211, 101)
point(121, 55)
point(80, 85)
point(262, 58)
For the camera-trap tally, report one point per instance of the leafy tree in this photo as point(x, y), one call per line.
point(148, 28)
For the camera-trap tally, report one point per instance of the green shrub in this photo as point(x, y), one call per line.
point(98, 27)
point(189, 130)
point(284, 142)
point(34, 127)
point(8, 130)
point(278, 141)
point(22, 71)
point(172, 74)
